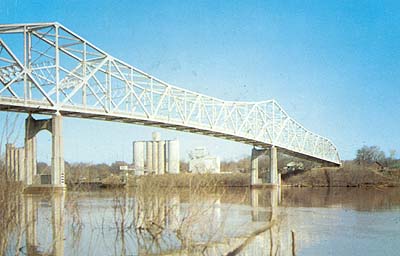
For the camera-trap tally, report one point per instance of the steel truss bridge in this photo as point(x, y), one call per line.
point(46, 68)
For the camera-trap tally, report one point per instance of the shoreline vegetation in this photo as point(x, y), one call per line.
point(343, 177)
point(370, 167)
point(350, 174)
point(347, 176)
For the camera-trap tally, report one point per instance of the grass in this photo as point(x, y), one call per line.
point(10, 198)
point(187, 180)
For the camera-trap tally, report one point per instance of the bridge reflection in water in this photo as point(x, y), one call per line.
point(122, 223)
point(241, 221)
point(41, 220)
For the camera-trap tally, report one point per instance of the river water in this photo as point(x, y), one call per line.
point(292, 221)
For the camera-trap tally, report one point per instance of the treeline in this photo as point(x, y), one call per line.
point(364, 156)
point(79, 172)
point(243, 164)
point(373, 154)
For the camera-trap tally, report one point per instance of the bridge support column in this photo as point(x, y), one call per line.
point(272, 179)
point(32, 127)
point(254, 167)
point(273, 170)
point(30, 149)
point(57, 159)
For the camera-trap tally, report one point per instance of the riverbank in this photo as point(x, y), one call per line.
point(317, 177)
point(346, 176)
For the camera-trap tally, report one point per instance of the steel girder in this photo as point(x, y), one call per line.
point(45, 68)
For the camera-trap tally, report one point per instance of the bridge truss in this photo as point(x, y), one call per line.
point(46, 68)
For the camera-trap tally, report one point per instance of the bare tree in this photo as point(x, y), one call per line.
point(369, 154)
point(8, 133)
point(392, 153)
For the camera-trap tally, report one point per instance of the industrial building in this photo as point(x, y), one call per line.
point(156, 156)
point(202, 162)
point(15, 162)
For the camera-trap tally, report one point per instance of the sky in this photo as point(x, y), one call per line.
point(334, 66)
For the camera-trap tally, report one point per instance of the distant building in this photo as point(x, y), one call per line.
point(131, 169)
point(156, 156)
point(294, 166)
point(377, 166)
point(202, 162)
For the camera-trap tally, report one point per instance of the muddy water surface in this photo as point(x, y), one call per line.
point(324, 221)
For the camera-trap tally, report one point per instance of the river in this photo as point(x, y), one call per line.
point(290, 221)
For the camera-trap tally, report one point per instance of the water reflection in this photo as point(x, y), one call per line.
point(360, 199)
point(34, 213)
point(265, 240)
point(220, 222)
point(264, 199)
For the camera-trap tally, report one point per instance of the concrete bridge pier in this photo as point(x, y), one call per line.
point(32, 128)
point(57, 158)
point(272, 178)
point(254, 167)
point(273, 169)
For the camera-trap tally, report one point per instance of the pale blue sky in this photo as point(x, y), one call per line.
point(333, 65)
